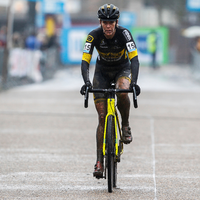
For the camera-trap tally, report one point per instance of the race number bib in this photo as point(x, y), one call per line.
point(87, 47)
point(130, 46)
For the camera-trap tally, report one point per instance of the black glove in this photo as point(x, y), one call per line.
point(83, 88)
point(137, 87)
point(132, 84)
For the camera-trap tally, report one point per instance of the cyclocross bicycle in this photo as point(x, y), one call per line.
point(112, 142)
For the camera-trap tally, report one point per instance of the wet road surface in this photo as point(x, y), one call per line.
point(47, 145)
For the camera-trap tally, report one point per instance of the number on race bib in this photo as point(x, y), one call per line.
point(130, 46)
point(87, 47)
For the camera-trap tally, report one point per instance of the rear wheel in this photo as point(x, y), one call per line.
point(110, 152)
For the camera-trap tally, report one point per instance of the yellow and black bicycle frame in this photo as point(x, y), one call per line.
point(112, 111)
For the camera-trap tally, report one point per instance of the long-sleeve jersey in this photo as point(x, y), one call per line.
point(111, 52)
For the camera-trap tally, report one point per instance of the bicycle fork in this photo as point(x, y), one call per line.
point(112, 111)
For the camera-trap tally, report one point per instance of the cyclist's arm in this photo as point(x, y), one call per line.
point(134, 69)
point(86, 58)
point(132, 55)
point(85, 71)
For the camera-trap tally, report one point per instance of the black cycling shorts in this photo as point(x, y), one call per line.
point(105, 75)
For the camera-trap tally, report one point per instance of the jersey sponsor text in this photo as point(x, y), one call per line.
point(126, 35)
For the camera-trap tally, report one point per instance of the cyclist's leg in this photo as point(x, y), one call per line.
point(101, 106)
point(123, 102)
point(101, 110)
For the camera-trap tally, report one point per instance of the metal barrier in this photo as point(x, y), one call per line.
point(27, 66)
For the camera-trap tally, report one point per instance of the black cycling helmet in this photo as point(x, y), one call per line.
point(108, 12)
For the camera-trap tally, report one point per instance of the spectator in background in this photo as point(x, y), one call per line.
point(32, 42)
point(43, 39)
point(152, 40)
point(52, 41)
point(3, 31)
point(54, 44)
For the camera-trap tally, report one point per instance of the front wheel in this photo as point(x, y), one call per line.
point(115, 174)
point(110, 152)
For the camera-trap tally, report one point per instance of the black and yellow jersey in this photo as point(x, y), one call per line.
point(118, 50)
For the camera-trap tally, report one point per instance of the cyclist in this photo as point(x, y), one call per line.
point(117, 61)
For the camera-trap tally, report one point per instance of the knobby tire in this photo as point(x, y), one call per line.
point(115, 160)
point(110, 152)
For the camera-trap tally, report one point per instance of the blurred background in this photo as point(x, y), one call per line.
point(38, 37)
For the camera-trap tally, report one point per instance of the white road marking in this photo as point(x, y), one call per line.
point(153, 155)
